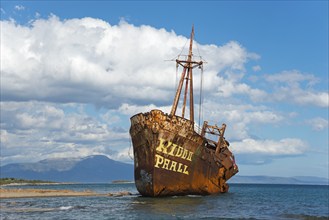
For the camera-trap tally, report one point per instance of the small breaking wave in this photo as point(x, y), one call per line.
point(66, 207)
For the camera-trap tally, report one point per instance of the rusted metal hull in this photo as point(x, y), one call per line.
point(170, 158)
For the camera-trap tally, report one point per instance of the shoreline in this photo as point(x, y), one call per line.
point(36, 184)
point(6, 193)
point(61, 183)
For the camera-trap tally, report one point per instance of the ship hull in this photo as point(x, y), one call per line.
point(170, 158)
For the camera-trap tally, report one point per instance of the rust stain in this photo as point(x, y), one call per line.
point(172, 159)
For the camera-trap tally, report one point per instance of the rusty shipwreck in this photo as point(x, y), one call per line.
point(170, 156)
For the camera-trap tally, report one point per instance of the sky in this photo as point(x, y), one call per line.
point(74, 72)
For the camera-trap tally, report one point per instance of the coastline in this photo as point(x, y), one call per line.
point(27, 190)
point(35, 184)
point(6, 193)
point(11, 193)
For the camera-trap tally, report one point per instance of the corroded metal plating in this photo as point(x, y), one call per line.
point(172, 159)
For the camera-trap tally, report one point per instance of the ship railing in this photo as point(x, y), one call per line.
point(217, 131)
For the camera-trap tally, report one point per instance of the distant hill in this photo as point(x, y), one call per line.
point(303, 180)
point(91, 169)
point(101, 169)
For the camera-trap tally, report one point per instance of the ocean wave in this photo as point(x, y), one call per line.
point(66, 207)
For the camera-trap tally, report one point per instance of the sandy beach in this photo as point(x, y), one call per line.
point(27, 193)
point(6, 193)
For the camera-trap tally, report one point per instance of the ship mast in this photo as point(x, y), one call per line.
point(187, 75)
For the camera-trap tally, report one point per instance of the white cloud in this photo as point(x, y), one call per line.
point(89, 61)
point(19, 7)
point(135, 109)
point(256, 68)
point(125, 155)
point(318, 123)
point(239, 117)
point(292, 77)
point(37, 130)
point(228, 89)
point(231, 56)
point(294, 86)
point(284, 147)
point(320, 99)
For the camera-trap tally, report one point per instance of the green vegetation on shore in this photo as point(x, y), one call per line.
point(4, 181)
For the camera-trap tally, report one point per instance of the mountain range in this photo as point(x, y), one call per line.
point(297, 180)
point(101, 169)
point(91, 169)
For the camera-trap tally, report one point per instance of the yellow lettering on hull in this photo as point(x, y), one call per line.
point(171, 149)
point(173, 166)
point(159, 160)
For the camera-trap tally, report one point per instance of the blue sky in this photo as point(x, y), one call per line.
point(74, 72)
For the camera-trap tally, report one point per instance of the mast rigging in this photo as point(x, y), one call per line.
point(187, 75)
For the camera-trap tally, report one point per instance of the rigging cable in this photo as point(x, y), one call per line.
point(178, 57)
point(176, 79)
point(183, 47)
point(201, 97)
point(201, 87)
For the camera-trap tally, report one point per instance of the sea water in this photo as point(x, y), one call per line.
point(243, 201)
